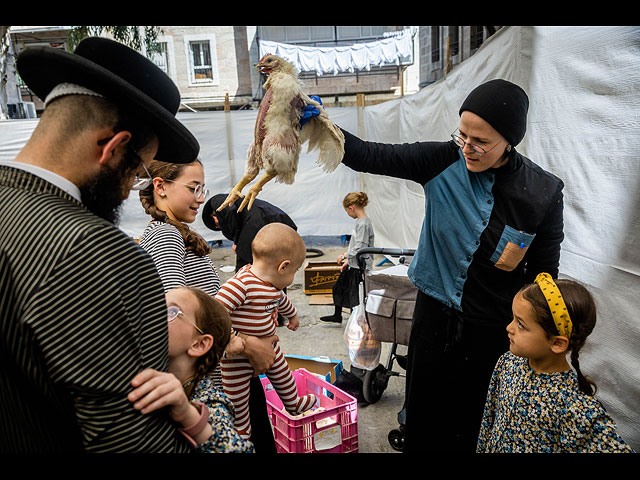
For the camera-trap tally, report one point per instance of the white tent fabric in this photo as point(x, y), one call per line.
point(314, 202)
point(394, 50)
point(584, 88)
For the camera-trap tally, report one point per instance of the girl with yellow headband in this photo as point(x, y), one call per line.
point(536, 402)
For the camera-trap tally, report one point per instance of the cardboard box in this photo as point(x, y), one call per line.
point(319, 277)
point(323, 366)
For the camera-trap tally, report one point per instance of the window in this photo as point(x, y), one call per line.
point(201, 57)
point(323, 35)
point(454, 44)
point(435, 44)
point(475, 37)
point(201, 62)
point(363, 32)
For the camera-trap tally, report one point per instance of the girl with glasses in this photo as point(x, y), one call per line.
point(172, 200)
point(199, 331)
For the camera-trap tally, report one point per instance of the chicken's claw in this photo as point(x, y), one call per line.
point(232, 197)
point(248, 200)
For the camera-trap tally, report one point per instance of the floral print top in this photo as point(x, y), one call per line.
point(224, 439)
point(543, 413)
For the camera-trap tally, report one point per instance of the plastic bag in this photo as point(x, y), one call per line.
point(364, 350)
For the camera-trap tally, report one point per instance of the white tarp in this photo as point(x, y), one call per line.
point(314, 201)
point(394, 50)
point(584, 88)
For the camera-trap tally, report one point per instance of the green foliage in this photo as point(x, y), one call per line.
point(137, 37)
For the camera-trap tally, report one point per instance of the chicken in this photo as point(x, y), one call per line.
point(278, 138)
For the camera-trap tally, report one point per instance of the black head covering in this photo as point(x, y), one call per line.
point(242, 227)
point(228, 218)
point(502, 104)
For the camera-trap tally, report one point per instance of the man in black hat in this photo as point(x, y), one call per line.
point(82, 308)
point(242, 227)
point(493, 221)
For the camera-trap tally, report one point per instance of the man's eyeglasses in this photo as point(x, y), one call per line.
point(477, 149)
point(173, 312)
point(198, 190)
point(140, 183)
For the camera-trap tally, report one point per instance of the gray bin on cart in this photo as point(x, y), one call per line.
point(390, 299)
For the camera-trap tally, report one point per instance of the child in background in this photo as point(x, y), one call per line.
point(251, 296)
point(346, 289)
point(199, 331)
point(535, 402)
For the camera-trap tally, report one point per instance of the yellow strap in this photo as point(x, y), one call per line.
point(556, 304)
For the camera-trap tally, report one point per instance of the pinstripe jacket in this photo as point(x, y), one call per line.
point(81, 312)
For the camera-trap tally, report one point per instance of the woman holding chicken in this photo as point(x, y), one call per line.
point(493, 221)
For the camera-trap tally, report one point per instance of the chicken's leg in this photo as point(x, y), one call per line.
point(236, 192)
point(252, 193)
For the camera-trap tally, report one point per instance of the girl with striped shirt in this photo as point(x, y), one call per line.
point(172, 200)
point(182, 259)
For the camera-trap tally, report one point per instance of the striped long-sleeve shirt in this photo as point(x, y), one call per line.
point(177, 266)
point(82, 311)
point(251, 301)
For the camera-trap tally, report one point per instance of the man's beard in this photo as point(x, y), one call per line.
point(105, 193)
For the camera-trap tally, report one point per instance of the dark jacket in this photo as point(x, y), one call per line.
point(242, 227)
point(484, 235)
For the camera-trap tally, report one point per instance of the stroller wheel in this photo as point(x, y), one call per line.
point(396, 439)
point(374, 384)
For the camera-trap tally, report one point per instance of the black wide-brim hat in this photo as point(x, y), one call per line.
point(123, 76)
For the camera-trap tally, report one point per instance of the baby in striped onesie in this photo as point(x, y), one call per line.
point(251, 297)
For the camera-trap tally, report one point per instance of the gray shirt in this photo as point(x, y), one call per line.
point(361, 237)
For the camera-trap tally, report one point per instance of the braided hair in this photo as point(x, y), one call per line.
point(582, 311)
point(170, 171)
point(213, 319)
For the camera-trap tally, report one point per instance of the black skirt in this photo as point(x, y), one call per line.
point(346, 289)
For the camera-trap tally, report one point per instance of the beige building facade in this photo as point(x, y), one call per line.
point(213, 65)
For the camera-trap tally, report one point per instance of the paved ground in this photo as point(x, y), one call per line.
point(316, 338)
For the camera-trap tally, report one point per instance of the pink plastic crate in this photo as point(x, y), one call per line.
point(331, 429)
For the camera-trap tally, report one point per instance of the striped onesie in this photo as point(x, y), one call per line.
point(251, 303)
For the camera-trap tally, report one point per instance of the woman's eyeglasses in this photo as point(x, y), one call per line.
point(198, 190)
point(477, 149)
point(173, 312)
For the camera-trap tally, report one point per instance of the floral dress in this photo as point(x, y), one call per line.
point(543, 413)
point(224, 439)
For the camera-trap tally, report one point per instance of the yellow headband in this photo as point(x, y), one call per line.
point(556, 304)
